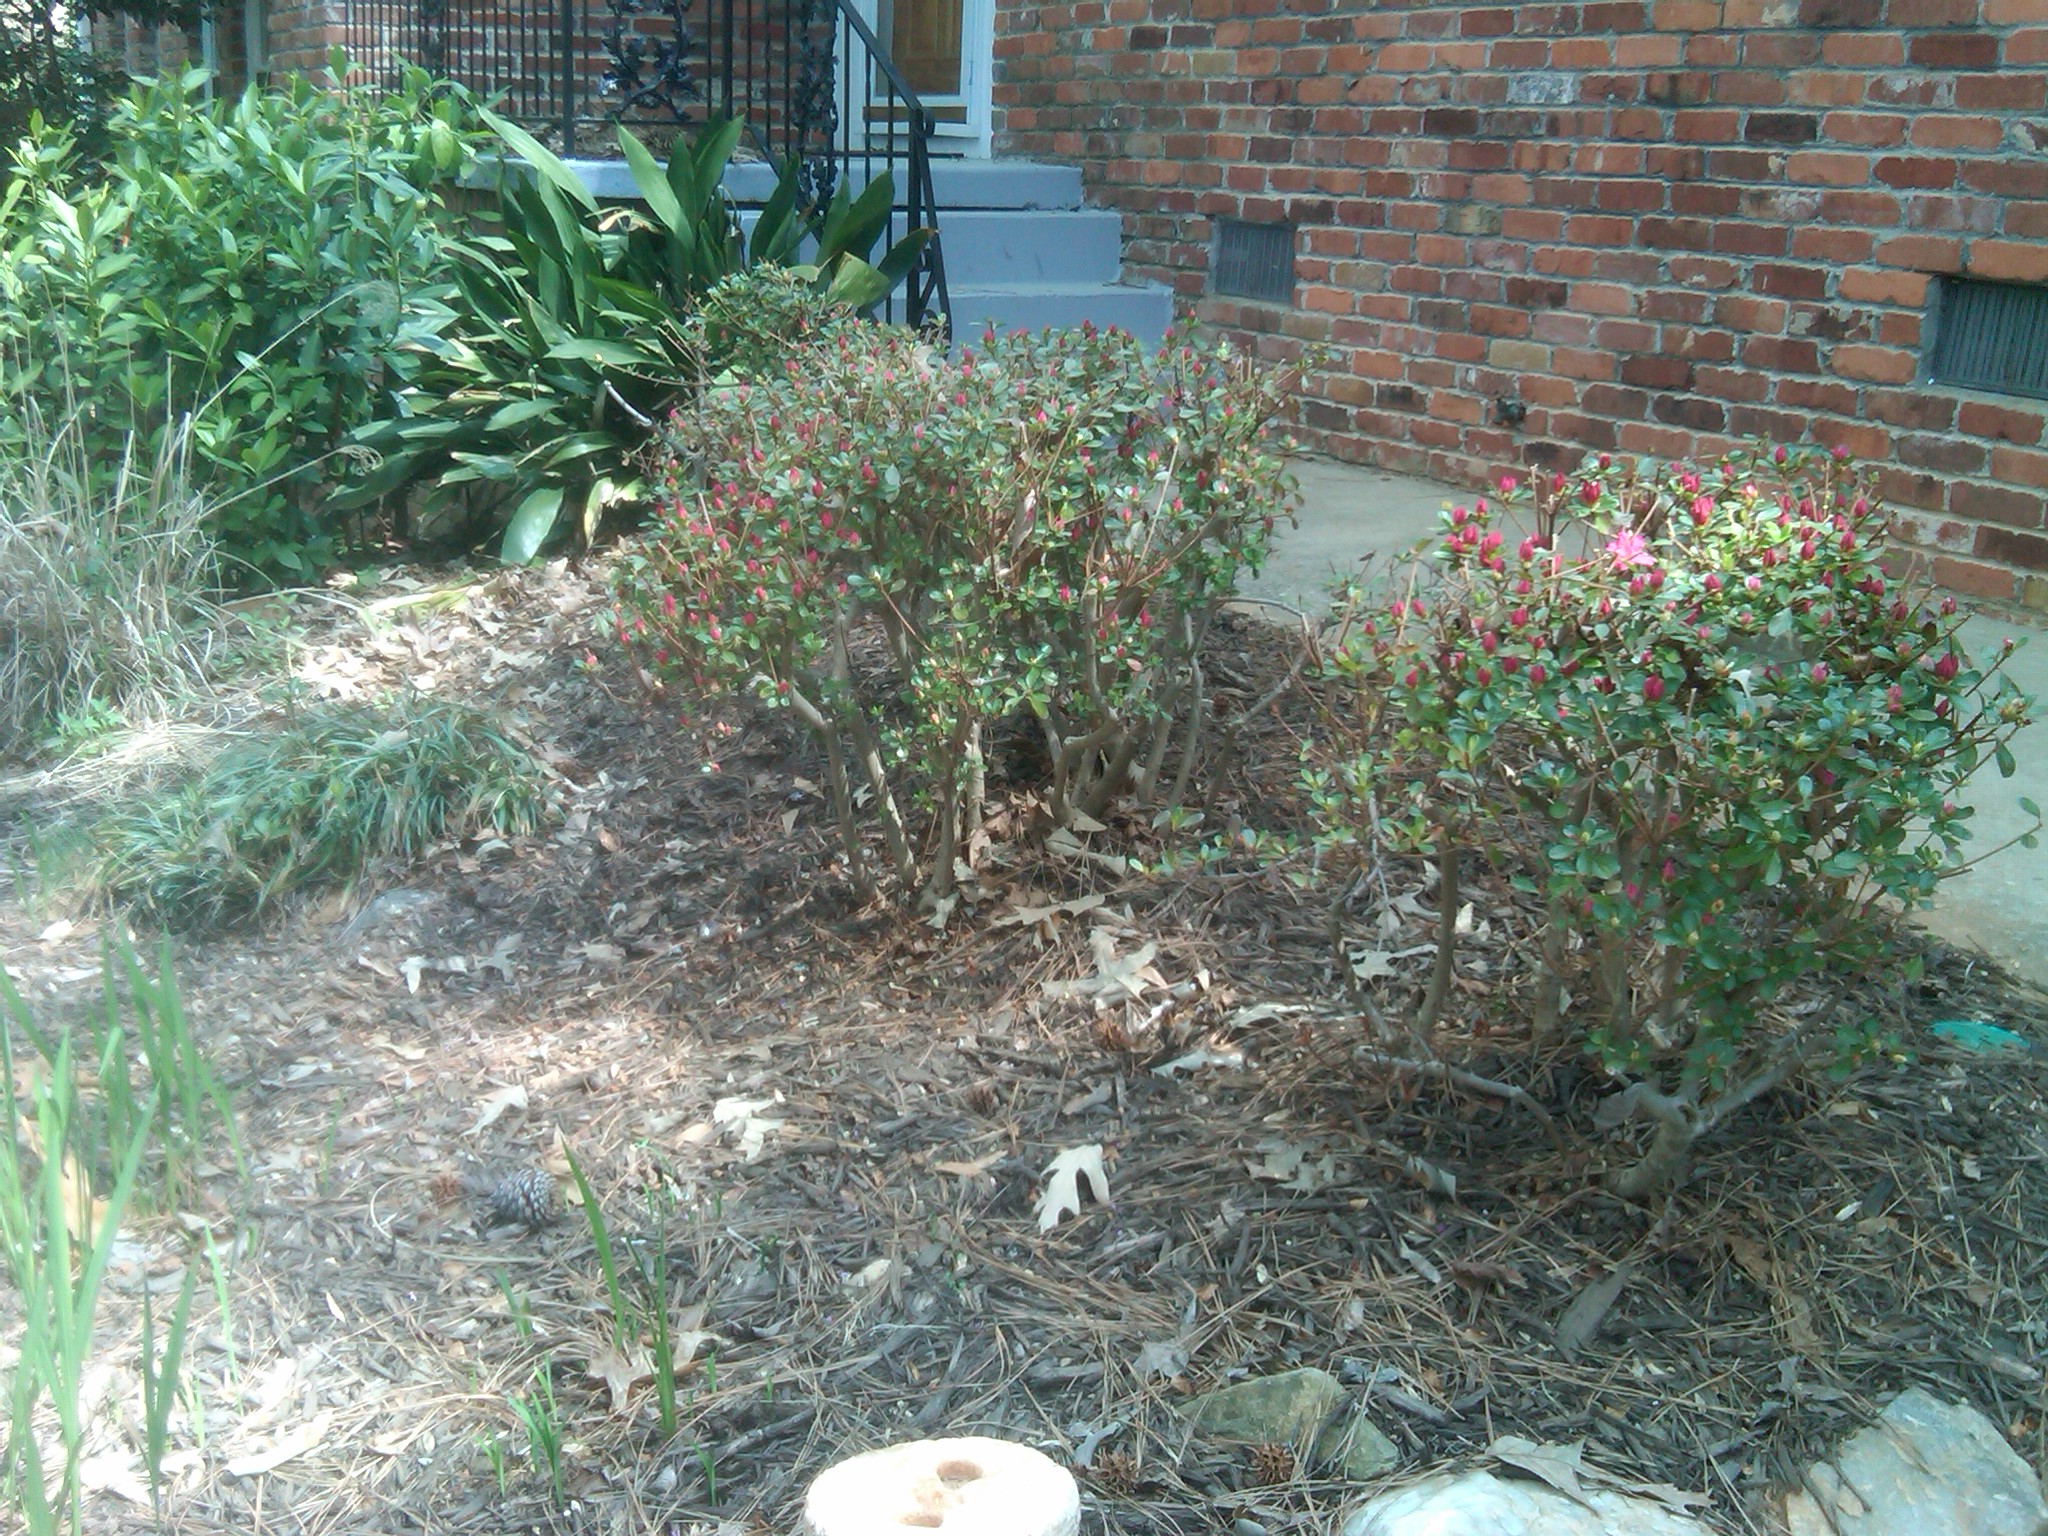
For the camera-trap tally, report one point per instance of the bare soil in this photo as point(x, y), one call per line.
point(834, 1123)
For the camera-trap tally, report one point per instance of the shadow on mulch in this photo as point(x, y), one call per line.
point(835, 1124)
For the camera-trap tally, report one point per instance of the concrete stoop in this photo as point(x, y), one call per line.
point(1021, 250)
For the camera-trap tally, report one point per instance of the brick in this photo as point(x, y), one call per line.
point(1781, 128)
point(2007, 424)
point(1922, 253)
point(1874, 285)
point(1879, 365)
point(1953, 50)
point(1995, 504)
point(2020, 466)
point(2009, 261)
point(1973, 577)
point(2026, 550)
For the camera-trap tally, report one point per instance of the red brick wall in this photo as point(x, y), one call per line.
point(1662, 225)
point(299, 34)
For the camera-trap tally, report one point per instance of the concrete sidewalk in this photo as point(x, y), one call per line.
point(1350, 514)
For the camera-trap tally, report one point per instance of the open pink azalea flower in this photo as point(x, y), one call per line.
point(1630, 548)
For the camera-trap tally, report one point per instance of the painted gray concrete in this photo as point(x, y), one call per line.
point(1999, 906)
point(955, 183)
point(1145, 311)
point(1008, 246)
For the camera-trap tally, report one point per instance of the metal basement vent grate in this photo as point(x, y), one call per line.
point(1991, 336)
point(1255, 261)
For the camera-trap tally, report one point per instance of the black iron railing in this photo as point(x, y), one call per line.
point(808, 77)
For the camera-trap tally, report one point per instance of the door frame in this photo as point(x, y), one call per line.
point(973, 135)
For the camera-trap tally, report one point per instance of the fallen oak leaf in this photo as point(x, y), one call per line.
point(494, 1105)
point(1557, 1465)
point(297, 1443)
point(621, 1368)
point(1063, 1177)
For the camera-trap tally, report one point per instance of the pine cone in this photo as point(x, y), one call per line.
point(527, 1198)
point(1271, 1464)
point(1116, 1471)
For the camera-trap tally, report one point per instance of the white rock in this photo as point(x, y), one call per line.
point(1480, 1504)
point(1925, 1468)
point(966, 1487)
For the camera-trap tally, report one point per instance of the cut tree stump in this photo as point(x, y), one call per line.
point(965, 1487)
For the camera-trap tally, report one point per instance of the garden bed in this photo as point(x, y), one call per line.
point(845, 1115)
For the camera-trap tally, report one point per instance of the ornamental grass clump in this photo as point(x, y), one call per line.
point(1688, 709)
point(906, 550)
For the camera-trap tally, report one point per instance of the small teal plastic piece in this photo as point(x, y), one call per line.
point(1976, 1035)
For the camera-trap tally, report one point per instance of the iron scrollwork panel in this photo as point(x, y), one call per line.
point(814, 103)
point(649, 75)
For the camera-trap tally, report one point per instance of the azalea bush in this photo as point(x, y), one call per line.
point(1688, 709)
point(906, 550)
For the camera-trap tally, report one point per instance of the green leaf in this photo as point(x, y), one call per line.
point(531, 524)
point(2029, 807)
point(713, 151)
point(654, 187)
point(2008, 765)
point(856, 284)
point(536, 154)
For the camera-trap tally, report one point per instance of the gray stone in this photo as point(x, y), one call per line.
point(1288, 1408)
point(1925, 1466)
point(1480, 1504)
point(1356, 1448)
point(1268, 1410)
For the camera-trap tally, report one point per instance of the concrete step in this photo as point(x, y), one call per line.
point(1143, 310)
point(1073, 245)
point(957, 184)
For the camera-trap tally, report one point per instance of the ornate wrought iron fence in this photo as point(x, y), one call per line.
point(808, 77)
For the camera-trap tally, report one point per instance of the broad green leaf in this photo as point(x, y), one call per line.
point(536, 154)
point(654, 187)
point(857, 285)
point(531, 524)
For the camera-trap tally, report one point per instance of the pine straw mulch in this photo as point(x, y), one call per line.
point(846, 1115)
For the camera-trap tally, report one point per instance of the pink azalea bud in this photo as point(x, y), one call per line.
point(1588, 492)
point(1712, 583)
point(1945, 668)
point(1527, 548)
point(1670, 871)
point(1483, 676)
point(1536, 674)
point(1653, 688)
point(1820, 671)
point(1894, 699)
